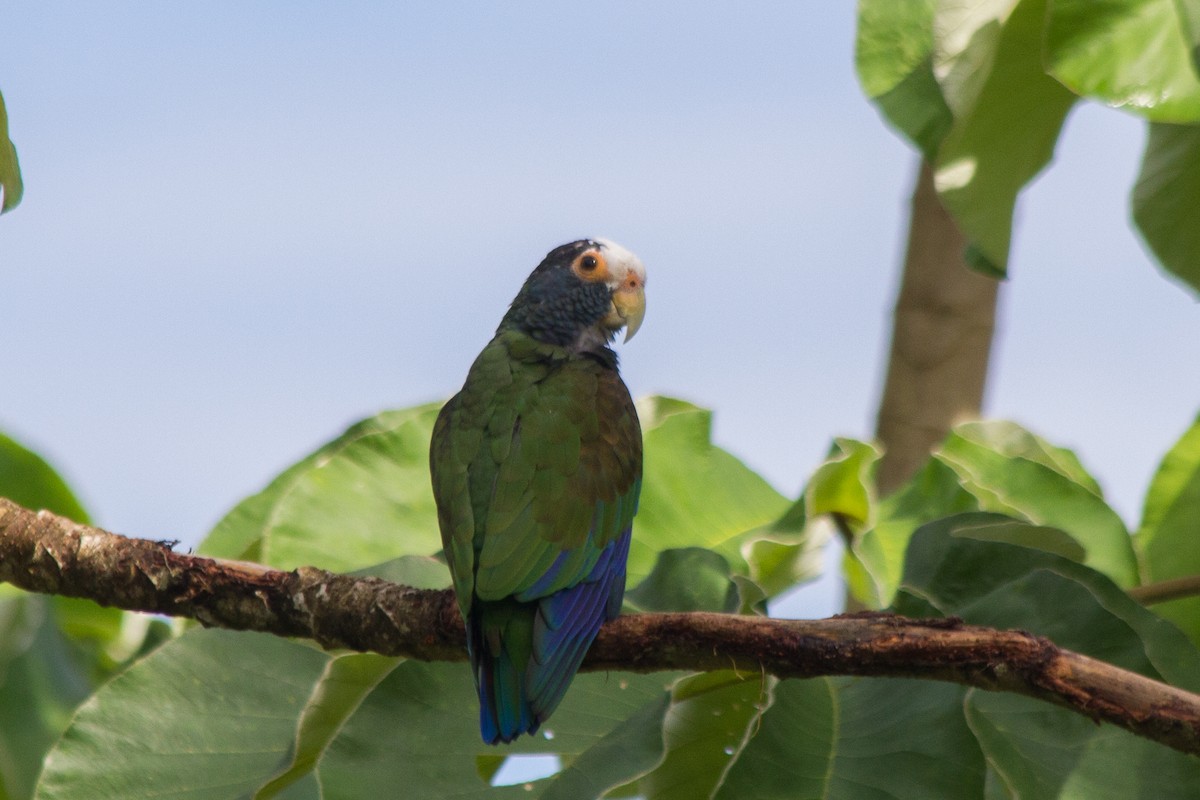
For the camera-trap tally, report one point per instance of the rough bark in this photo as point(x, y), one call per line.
point(42, 552)
point(941, 340)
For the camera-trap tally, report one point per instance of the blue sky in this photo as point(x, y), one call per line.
point(248, 225)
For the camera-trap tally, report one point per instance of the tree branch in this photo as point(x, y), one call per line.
point(42, 552)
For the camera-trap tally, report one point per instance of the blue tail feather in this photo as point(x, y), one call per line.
point(517, 692)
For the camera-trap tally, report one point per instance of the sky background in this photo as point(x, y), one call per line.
point(248, 225)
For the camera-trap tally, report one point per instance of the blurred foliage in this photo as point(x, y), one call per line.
point(54, 651)
point(982, 90)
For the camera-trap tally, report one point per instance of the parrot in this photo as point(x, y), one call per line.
point(536, 466)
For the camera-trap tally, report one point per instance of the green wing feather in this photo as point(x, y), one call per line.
point(538, 455)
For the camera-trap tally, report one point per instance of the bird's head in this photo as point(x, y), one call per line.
point(581, 295)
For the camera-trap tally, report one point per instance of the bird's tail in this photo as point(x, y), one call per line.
point(525, 654)
point(500, 637)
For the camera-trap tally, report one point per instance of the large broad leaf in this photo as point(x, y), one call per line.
point(995, 466)
point(417, 735)
point(1170, 525)
point(968, 84)
point(875, 560)
point(689, 579)
point(1034, 749)
point(894, 58)
point(240, 714)
point(365, 498)
point(986, 582)
point(1039, 751)
point(1011, 471)
point(623, 755)
point(210, 715)
point(789, 550)
point(10, 171)
point(1132, 54)
point(694, 494)
point(858, 739)
point(362, 499)
point(1007, 117)
point(710, 717)
point(965, 83)
point(1166, 199)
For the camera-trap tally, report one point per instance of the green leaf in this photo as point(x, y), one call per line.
point(209, 715)
point(688, 579)
point(875, 561)
point(894, 60)
point(11, 186)
point(845, 484)
point(789, 550)
point(419, 572)
point(360, 500)
point(1131, 54)
point(102, 639)
point(364, 498)
point(1007, 117)
point(1011, 471)
point(1035, 749)
point(26, 479)
point(858, 739)
point(628, 751)
point(779, 560)
point(710, 717)
point(334, 698)
point(1167, 537)
point(1039, 537)
point(417, 734)
point(1042, 751)
point(1166, 199)
point(893, 40)
point(1189, 23)
point(694, 494)
point(784, 553)
point(41, 683)
point(1013, 441)
point(1007, 586)
point(241, 715)
point(966, 39)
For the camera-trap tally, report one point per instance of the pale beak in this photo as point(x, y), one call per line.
point(629, 303)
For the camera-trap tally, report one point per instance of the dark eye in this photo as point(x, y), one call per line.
point(588, 263)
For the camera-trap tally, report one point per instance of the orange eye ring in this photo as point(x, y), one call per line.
point(590, 265)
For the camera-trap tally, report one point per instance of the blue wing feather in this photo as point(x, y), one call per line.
point(515, 700)
point(567, 623)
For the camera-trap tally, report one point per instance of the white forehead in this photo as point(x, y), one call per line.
point(624, 260)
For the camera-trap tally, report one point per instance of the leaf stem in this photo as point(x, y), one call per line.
point(1162, 591)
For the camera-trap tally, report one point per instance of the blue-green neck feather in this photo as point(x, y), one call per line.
point(555, 306)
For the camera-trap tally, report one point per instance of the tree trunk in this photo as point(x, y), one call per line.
point(941, 340)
